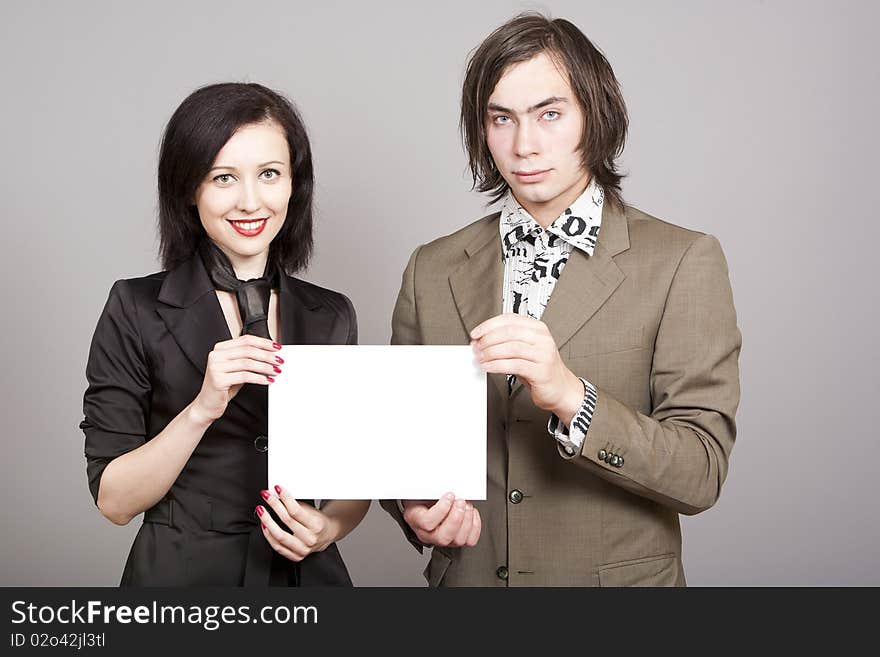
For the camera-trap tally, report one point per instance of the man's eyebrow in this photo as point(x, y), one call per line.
point(259, 166)
point(547, 101)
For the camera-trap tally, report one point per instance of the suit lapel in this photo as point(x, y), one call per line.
point(476, 284)
point(586, 282)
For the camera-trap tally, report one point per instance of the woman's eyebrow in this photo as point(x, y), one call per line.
point(259, 166)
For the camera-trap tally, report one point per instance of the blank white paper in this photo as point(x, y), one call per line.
point(378, 422)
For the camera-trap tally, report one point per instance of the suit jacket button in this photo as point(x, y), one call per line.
point(501, 573)
point(261, 443)
point(619, 461)
point(602, 454)
point(516, 496)
point(614, 460)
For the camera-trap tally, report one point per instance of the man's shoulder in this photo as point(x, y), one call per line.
point(649, 234)
point(455, 245)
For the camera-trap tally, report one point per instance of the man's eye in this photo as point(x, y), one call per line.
point(501, 119)
point(223, 178)
point(551, 115)
point(270, 174)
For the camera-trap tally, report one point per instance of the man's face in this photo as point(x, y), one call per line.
point(534, 126)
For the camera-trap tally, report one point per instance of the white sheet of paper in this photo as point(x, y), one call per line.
point(378, 422)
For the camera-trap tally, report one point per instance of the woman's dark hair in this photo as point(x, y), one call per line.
point(197, 131)
point(591, 79)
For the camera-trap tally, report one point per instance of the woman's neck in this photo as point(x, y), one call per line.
point(248, 267)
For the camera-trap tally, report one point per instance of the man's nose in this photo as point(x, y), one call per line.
point(525, 142)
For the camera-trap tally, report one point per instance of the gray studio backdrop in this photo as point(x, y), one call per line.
point(754, 121)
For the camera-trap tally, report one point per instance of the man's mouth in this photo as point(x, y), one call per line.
point(535, 175)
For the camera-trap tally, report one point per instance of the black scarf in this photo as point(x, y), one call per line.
point(252, 295)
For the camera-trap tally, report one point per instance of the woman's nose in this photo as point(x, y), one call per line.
point(248, 198)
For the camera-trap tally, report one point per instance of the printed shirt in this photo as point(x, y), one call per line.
point(534, 259)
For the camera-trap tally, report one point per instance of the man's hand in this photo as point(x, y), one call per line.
point(446, 522)
point(522, 346)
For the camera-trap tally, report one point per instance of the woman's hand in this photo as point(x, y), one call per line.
point(310, 530)
point(231, 364)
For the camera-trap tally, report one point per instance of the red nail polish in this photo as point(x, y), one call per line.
point(271, 380)
point(263, 525)
point(278, 489)
point(259, 510)
point(280, 360)
point(276, 368)
point(276, 345)
point(265, 494)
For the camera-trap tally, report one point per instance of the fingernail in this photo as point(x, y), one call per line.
point(460, 505)
point(278, 489)
point(263, 525)
point(265, 494)
point(276, 368)
point(276, 345)
point(280, 360)
point(449, 496)
point(271, 380)
point(260, 510)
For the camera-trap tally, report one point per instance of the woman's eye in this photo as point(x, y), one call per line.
point(551, 115)
point(270, 174)
point(223, 178)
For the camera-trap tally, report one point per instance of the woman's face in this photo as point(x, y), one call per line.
point(242, 203)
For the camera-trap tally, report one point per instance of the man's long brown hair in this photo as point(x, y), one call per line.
point(590, 77)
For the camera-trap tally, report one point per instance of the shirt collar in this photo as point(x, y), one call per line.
point(578, 225)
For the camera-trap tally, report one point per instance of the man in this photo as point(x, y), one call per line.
point(610, 337)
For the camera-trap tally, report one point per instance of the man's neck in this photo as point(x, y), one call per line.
point(547, 212)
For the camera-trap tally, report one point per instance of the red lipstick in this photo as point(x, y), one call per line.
point(249, 227)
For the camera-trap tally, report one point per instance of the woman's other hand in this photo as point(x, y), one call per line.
point(231, 364)
point(307, 529)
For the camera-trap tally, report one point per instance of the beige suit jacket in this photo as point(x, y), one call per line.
point(649, 320)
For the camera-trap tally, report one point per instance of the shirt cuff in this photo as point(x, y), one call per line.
point(571, 439)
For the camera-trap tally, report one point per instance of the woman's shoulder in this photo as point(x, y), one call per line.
point(332, 299)
point(141, 288)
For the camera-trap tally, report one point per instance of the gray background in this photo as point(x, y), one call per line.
point(754, 121)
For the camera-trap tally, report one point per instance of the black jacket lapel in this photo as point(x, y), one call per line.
point(191, 311)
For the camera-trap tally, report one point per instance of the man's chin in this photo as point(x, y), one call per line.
point(533, 195)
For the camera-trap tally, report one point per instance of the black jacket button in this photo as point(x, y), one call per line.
point(261, 443)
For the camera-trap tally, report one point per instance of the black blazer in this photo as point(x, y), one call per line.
point(146, 364)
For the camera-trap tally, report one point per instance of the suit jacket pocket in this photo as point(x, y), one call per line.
point(662, 570)
point(590, 342)
point(436, 568)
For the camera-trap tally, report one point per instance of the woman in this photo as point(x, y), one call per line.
point(175, 411)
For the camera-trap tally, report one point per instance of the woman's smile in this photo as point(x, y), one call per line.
point(249, 227)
